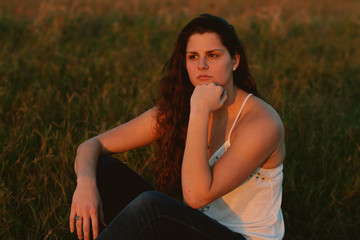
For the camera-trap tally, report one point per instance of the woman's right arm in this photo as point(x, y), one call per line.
point(86, 199)
point(133, 134)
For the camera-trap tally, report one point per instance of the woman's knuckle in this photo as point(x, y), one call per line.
point(93, 211)
point(86, 209)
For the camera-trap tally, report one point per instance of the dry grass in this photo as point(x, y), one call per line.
point(72, 69)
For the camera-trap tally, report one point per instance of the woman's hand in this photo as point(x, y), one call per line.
point(86, 209)
point(86, 204)
point(208, 97)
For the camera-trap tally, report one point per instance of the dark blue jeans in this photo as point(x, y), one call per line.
point(149, 214)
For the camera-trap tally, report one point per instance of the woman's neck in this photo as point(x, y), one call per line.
point(230, 102)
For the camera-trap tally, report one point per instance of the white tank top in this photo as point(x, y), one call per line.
point(253, 208)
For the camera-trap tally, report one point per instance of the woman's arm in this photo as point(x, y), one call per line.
point(253, 143)
point(196, 175)
point(133, 134)
point(86, 200)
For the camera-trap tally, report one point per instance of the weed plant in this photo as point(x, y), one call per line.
point(70, 70)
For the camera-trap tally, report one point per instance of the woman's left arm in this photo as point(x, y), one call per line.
point(258, 137)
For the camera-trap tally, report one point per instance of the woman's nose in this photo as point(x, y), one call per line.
point(202, 64)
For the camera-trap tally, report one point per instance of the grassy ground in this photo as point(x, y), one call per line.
point(72, 69)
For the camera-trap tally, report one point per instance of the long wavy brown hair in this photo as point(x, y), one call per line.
point(173, 104)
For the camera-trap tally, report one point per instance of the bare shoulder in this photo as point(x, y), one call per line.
point(260, 114)
point(261, 125)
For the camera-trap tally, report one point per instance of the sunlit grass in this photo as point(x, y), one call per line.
point(72, 69)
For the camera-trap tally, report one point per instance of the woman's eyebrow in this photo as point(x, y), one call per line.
point(210, 51)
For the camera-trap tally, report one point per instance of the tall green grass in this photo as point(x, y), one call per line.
point(72, 69)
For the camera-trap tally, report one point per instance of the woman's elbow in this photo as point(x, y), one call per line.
point(90, 145)
point(194, 201)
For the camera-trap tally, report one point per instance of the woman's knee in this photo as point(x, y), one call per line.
point(155, 201)
point(153, 197)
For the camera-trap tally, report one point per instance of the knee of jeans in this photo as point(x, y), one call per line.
point(151, 198)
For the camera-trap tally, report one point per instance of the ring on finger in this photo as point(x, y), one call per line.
point(77, 218)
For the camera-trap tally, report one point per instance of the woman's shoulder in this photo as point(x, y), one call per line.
point(262, 125)
point(259, 110)
point(259, 116)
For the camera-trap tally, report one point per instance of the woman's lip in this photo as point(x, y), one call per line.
point(203, 77)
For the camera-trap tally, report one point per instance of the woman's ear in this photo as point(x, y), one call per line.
point(236, 60)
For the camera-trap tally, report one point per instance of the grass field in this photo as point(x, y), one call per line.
point(72, 69)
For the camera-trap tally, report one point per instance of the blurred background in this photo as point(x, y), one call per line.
point(70, 70)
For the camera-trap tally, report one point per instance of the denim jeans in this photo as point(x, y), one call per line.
point(150, 214)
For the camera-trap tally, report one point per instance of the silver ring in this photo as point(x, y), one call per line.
point(77, 218)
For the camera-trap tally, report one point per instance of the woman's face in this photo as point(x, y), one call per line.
point(208, 60)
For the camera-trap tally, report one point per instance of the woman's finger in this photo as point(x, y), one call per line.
point(94, 225)
point(86, 228)
point(71, 221)
point(223, 97)
point(101, 216)
point(79, 230)
point(223, 94)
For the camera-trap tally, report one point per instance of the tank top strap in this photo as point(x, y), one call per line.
point(238, 115)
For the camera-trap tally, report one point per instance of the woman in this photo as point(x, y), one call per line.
point(217, 141)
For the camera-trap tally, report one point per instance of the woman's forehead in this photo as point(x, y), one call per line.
point(204, 41)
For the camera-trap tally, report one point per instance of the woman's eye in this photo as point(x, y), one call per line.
point(212, 55)
point(192, 57)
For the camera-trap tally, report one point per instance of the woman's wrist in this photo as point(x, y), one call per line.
point(86, 162)
point(199, 112)
point(86, 180)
